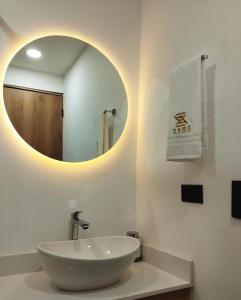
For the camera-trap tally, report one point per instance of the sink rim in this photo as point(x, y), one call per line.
point(52, 253)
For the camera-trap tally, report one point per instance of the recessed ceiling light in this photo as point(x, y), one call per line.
point(34, 53)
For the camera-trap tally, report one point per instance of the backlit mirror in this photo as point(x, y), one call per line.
point(65, 98)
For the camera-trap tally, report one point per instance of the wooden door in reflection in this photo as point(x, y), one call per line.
point(37, 117)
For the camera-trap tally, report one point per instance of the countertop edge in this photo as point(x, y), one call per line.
point(156, 292)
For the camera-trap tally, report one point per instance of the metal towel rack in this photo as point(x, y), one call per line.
point(112, 111)
point(204, 56)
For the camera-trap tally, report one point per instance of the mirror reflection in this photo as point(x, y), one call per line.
point(65, 98)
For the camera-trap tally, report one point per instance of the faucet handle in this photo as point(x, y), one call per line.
point(75, 214)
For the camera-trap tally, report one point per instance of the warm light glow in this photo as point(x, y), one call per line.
point(24, 148)
point(34, 53)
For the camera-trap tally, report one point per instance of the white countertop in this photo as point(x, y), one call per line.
point(142, 281)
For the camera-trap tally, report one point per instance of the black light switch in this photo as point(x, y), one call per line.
point(236, 199)
point(192, 193)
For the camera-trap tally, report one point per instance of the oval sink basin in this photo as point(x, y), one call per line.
point(88, 263)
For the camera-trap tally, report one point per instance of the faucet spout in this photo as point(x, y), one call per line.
point(76, 222)
point(83, 224)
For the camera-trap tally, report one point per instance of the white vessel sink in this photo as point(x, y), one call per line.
point(88, 263)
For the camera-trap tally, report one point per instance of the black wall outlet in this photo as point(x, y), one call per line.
point(192, 193)
point(236, 199)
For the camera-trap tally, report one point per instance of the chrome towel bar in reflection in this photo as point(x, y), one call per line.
point(204, 56)
point(112, 111)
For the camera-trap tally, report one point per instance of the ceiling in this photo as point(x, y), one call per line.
point(58, 54)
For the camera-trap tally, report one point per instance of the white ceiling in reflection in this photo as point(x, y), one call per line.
point(58, 55)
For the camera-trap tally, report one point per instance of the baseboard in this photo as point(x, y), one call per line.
point(30, 262)
point(19, 263)
point(177, 266)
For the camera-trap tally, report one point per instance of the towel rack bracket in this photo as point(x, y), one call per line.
point(204, 56)
point(112, 111)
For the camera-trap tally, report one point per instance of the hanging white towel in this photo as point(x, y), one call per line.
point(102, 133)
point(187, 126)
point(105, 143)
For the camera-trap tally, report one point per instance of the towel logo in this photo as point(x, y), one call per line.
point(182, 125)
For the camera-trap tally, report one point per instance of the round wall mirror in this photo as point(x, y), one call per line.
point(65, 98)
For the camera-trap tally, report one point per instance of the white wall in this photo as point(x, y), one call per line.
point(92, 85)
point(173, 31)
point(34, 191)
point(34, 79)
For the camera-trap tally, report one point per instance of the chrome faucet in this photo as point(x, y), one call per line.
point(75, 223)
